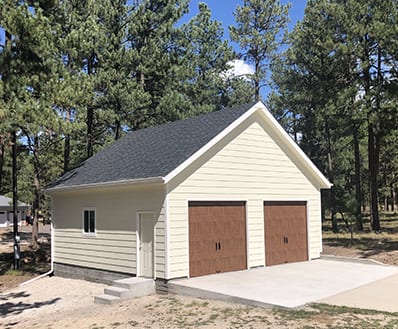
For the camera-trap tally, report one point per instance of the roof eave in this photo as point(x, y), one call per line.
point(127, 182)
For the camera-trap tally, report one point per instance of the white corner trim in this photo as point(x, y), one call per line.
point(167, 237)
point(212, 142)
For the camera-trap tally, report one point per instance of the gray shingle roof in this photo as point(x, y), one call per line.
point(151, 152)
point(7, 202)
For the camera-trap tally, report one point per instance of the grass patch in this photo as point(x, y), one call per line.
point(336, 317)
point(341, 310)
point(14, 272)
point(298, 314)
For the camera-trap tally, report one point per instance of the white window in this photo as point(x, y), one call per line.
point(89, 221)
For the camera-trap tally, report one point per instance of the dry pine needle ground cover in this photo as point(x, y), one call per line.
point(382, 247)
point(184, 312)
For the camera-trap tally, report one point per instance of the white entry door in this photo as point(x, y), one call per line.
point(146, 243)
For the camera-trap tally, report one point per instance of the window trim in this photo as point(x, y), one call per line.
point(95, 221)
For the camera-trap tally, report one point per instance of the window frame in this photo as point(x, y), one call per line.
point(89, 233)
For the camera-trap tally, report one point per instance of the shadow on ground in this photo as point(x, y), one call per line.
point(367, 246)
point(8, 307)
point(32, 261)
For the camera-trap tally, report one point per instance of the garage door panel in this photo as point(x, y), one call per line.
point(285, 232)
point(217, 237)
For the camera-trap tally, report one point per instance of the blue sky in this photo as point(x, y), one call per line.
point(222, 10)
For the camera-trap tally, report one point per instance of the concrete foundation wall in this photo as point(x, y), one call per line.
point(86, 273)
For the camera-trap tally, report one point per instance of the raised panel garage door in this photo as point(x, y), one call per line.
point(285, 231)
point(217, 237)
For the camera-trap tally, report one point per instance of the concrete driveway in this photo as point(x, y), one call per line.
point(288, 285)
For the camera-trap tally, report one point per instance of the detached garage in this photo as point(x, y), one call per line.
point(223, 191)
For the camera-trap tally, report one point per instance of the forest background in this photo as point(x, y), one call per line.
point(77, 75)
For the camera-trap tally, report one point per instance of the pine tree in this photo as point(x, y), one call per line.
point(259, 32)
point(203, 61)
point(29, 89)
point(120, 95)
point(337, 79)
point(151, 37)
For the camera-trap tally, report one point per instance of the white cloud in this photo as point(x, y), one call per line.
point(239, 69)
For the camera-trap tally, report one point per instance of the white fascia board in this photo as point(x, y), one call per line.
point(278, 129)
point(213, 142)
point(140, 181)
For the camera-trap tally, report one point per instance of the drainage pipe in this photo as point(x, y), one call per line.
point(52, 260)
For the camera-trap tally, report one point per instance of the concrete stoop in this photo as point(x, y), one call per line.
point(125, 289)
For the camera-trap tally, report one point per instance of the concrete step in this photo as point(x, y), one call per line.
point(138, 286)
point(117, 292)
point(106, 299)
point(126, 288)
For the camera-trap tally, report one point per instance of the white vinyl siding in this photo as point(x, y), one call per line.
point(114, 245)
point(247, 165)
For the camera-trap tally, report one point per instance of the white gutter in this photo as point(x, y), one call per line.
point(52, 261)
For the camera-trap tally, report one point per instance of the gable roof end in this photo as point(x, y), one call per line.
point(277, 129)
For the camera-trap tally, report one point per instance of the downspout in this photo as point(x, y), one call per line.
point(52, 261)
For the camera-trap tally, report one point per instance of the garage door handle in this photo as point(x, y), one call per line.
point(219, 246)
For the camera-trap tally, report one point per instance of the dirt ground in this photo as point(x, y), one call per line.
point(53, 302)
point(32, 262)
point(382, 247)
point(61, 303)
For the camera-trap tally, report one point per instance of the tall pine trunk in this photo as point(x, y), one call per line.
point(118, 124)
point(67, 146)
point(90, 128)
point(36, 197)
point(373, 160)
point(257, 80)
point(357, 178)
point(2, 149)
point(5, 76)
point(331, 177)
point(90, 115)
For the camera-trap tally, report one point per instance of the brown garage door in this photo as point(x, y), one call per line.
point(217, 237)
point(285, 229)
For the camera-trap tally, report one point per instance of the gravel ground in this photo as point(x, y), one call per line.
point(64, 303)
point(44, 297)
